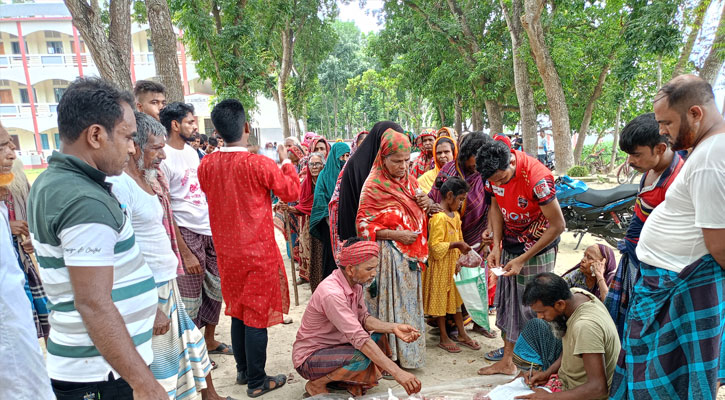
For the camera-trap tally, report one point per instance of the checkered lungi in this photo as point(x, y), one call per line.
point(201, 293)
point(672, 347)
point(511, 313)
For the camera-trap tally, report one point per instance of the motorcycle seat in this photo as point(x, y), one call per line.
point(599, 198)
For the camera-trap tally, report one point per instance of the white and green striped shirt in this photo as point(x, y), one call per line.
point(75, 220)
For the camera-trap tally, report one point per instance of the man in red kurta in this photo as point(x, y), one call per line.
point(237, 185)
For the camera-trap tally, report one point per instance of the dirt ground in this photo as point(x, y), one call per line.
point(441, 367)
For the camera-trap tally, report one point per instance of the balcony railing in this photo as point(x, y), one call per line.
point(70, 60)
point(24, 111)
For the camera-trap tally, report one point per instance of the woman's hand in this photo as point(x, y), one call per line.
point(494, 258)
point(423, 200)
point(598, 267)
point(462, 246)
point(487, 238)
point(406, 237)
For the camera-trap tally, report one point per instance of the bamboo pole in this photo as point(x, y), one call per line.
point(292, 257)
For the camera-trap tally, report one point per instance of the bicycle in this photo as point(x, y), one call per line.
point(626, 174)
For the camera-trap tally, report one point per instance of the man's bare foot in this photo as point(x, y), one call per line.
point(499, 367)
point(319, 386)
point(205, 395)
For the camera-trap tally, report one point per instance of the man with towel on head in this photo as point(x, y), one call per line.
point(334, 342)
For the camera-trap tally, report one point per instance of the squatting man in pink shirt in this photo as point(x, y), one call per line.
point(334, 342)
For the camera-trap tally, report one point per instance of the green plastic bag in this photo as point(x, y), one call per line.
point(472, 286)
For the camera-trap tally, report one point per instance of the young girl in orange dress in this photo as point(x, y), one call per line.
point(445, 246)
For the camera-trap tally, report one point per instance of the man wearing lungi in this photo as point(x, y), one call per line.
point(334, 343)
point(672, 345)
point(526, 222)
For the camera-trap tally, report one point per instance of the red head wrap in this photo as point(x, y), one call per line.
point(357, 253)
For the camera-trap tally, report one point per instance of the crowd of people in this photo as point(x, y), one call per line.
point(141, 228)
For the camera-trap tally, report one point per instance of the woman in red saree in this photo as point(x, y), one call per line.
point(388, 213)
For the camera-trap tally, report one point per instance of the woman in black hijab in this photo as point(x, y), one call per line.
point(356, 171)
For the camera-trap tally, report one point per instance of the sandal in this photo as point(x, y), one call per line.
point(451, 348)
point(223, 349)
point(471, 344)
point(495, 355)
point(278, 381)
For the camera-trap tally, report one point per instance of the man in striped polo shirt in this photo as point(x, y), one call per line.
point(101, 293)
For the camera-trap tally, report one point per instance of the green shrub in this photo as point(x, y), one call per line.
point(578, 171)
point(606, 156)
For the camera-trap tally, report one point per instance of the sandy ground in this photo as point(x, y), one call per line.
point(441, 367)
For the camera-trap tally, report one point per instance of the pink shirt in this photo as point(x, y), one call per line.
point(335, 315)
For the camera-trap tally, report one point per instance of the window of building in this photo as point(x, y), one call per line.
point(55, 47)
point(150, 45)
point(52, 34)
point(44, 141)
point(56, 136)
point(24, 96)
point(16, 141)
point(73, 46)
point(208, 127)
point(58, 92)
point(6, 96)
point(16, 47)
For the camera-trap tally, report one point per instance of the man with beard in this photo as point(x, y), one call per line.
point(100, 289)
point(333, 343)
point(200, 286)
point(424, 162)
point(588, 341)
point(27, 379)
point(181, 363)
point(672, 346)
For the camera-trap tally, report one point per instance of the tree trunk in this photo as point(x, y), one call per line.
point(615, 143)
point(477, 118)
point(299, 128)
point(163, 39)
point(287, 38)
point(458, 119)
point(699, 12)
point(714, 61)
point(111, 52)
point(495, 120)
point(334, 110)
point(441, 114)
point(558, 109)
point(522, 83)
point(304, 120)
point(589, 110)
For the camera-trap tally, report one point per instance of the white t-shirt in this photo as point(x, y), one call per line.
point(672, 235)
point(25, 376)
point(188, 202)
point(542, 146)
point(146, 214)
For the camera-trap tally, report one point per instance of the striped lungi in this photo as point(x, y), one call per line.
point(180, 361)
point(672, 347)
point(343, 363)
point(201, 293)
point(511, 313)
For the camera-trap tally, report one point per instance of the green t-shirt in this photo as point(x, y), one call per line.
point(590, 330)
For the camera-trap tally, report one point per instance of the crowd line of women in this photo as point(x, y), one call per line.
point(425, 214)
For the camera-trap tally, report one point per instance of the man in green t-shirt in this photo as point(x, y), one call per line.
point(589, 340)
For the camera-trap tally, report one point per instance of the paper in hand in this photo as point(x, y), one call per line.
point(498, 271)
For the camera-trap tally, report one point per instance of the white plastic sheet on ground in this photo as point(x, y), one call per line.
point(475, 388)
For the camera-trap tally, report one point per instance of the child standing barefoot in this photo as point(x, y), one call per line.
point(445, 243)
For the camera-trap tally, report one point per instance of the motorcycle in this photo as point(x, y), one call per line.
point(604, 213)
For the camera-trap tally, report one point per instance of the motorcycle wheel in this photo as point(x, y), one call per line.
point(612, 241)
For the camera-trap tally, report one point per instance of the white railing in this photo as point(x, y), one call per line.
point(24, 110)
point(70, 60)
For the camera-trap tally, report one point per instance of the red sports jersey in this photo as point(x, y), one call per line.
point(520, 199)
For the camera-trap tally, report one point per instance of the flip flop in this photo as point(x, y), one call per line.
point(472, 344)
point(221, 350)
point(495, 355)
point(213, 365)
point(279, 381)
point(452, 348)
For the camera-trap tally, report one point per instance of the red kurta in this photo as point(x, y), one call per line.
point(238, 187)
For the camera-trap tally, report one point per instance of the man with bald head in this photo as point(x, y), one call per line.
point(672, 345)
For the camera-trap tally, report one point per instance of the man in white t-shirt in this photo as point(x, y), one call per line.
point(25, 377)
point(200, 286)
point(672, 347)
